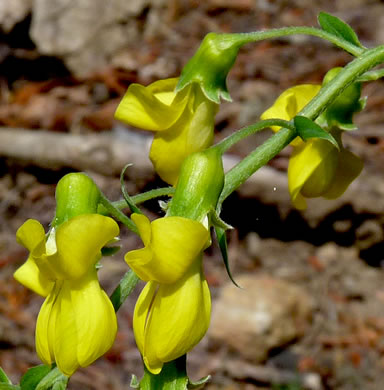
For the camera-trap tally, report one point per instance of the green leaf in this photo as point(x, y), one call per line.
point(33, 376)
point(222, 241)
point(307, 129)
point(4, 378)
point(125, 287)
point(173, 376)
point(339, 28)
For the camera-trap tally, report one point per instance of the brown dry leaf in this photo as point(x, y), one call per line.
point(30, 89)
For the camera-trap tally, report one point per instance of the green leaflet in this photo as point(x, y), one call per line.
point(339, 28)
point(308, 129)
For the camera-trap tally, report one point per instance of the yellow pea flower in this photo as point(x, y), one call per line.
point(183, 122)
point(170, 319)
point(171, 245)
point(77, 322)
point(316, 167)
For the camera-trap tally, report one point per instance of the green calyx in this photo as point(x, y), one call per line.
point(210, 65)
point(76, 194)
point(199, 186)
point(340, 113)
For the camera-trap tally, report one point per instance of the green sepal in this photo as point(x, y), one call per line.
point(210, 66)
point(76, 194)
point(4, 378)
point(339, 28)
point(43, 377)
point(308, 129)
point(199, 186)
point(126, 196)
point(173, 376)
point(7, 386)
point(340, 112)
point(222, 241)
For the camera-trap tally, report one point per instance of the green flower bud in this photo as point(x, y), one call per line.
point(210, 65)
point(200, 183)
point(76, 194)
point(340, 112)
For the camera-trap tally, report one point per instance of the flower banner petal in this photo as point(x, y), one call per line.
point(79, 241)
point(289, 103)
point(175, 243)
point(152, 108)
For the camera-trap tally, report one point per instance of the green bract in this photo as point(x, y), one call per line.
point(210, 65)
point(340, 112)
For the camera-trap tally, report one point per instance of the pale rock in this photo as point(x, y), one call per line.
point(264, 314)
point(12, 12)
point(86, 33)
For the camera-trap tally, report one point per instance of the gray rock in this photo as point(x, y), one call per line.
point(264, 314)
point(86, 33)
point(12, 12)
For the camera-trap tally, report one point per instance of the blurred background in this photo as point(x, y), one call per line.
point(311, 311)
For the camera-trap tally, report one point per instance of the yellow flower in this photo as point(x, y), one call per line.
point(170, 319)
point(317, 168)
point(77, 322)
point(183, 122)
point(171, 245)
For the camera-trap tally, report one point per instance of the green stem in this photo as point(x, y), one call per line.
point(242, 171)
point(243, 38)
point(116, 213)
point(342, 80)
point(124, 289)
point(259, 157)
point(148, 195)
point(228, 142)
